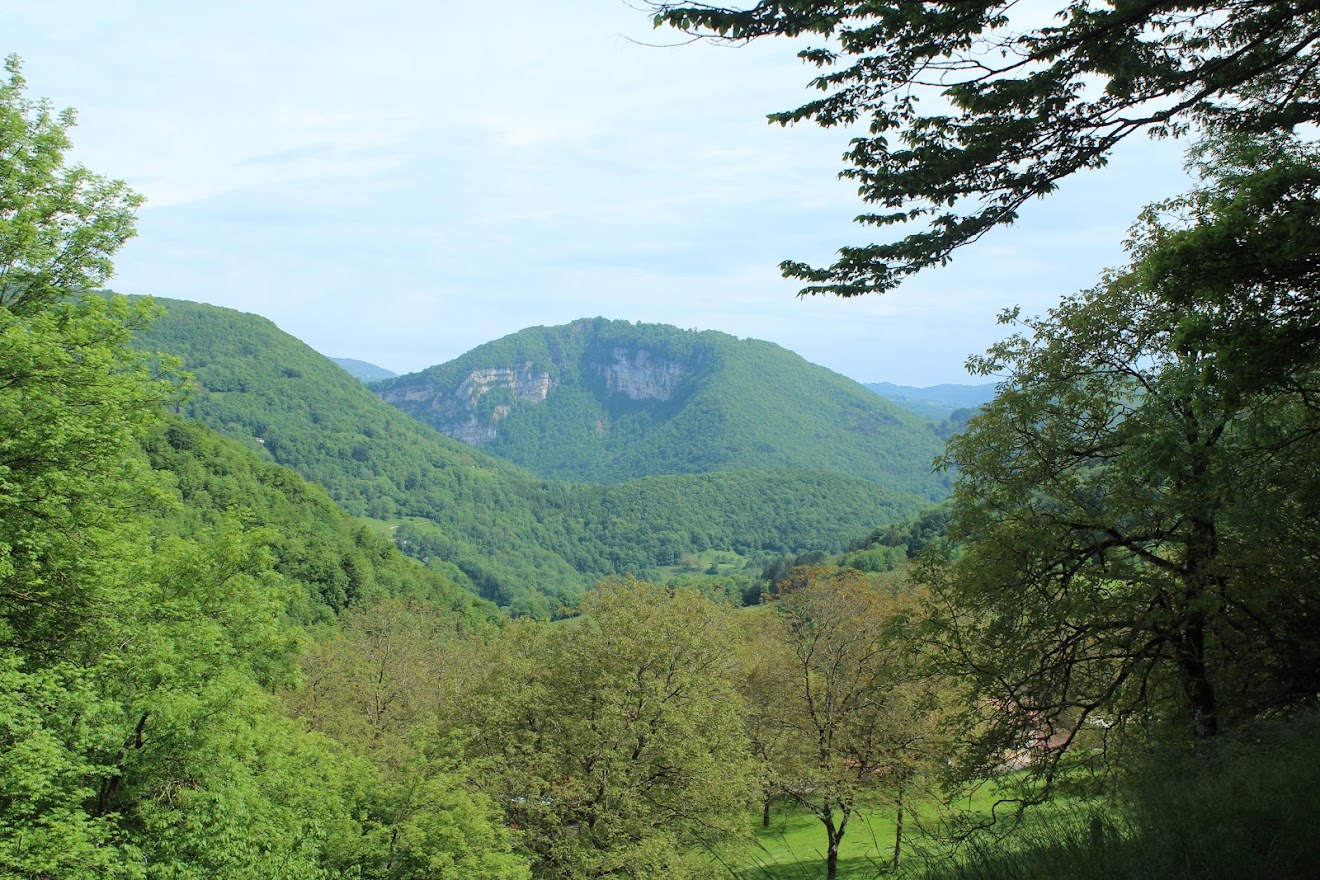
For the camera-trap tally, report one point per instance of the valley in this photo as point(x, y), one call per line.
point(745, 460)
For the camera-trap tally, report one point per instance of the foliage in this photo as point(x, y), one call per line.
point(375, 682)
point(336, 560)
point(840, 707)
point(72, 399)
point(733, 590)
point(1138, 520)
point(889, 546)
point(742, 512)
point(692, 403)
point(1245, 239)
point(62, 224)
point(614, 742)
point(1017, 102)
point(154, 735)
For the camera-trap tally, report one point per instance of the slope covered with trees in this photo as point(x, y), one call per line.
point(606, 400)
point(336, 560)
point(504, 533)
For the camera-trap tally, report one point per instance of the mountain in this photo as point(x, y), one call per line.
point(612, 401)
point(500, 531)
point(936, 401)
point(364, 371)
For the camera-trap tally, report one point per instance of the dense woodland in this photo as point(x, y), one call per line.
point(256, 623)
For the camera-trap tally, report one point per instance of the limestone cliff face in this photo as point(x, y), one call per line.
point(459, 413)
point(472, 409)
point(640, 375)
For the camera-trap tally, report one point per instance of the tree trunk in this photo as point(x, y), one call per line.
point(1197, 689)
point(898, 828)
point(110, 785)
point(765, 813)
point(833, 836)
point(1202, 548)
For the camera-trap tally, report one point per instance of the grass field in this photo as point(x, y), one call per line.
point(793, 847)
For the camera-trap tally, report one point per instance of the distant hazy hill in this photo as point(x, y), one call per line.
point(611, 401)
point(936, 401)
point(364, 371)
point(493, 527)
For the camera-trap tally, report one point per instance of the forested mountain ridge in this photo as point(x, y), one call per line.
point(609, 401)
point(512, 537)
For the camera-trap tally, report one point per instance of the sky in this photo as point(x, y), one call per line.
point(401, 181)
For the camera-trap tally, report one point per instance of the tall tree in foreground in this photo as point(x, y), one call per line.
point(72, 394)
point(614, 741)
point(840, 693)
point(1140, 506)
point(135, 736)
point(138, 734)
point(973, 107)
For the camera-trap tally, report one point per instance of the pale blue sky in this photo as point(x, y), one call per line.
point(401, 181)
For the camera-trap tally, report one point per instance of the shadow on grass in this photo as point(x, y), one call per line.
point(1251, 809)
point(793, 847)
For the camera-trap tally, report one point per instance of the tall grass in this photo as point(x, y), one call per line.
point(1248, 809)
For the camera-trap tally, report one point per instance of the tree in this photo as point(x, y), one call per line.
point(379, 684)
point(761, 659)
point(1019, 104)
point(380, 674)
point(1139, 509)
point(73, 394)
point(73, 399)
point(61, 224)
point(839, 703)
point(134, 731)
point(614, 741)
point(138, 651)
point(1245, 238)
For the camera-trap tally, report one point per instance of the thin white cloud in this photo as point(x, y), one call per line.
point(402, 181)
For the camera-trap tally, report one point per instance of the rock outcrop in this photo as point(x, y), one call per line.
point(460, 413)
point(641, 375)
point(472, 410)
